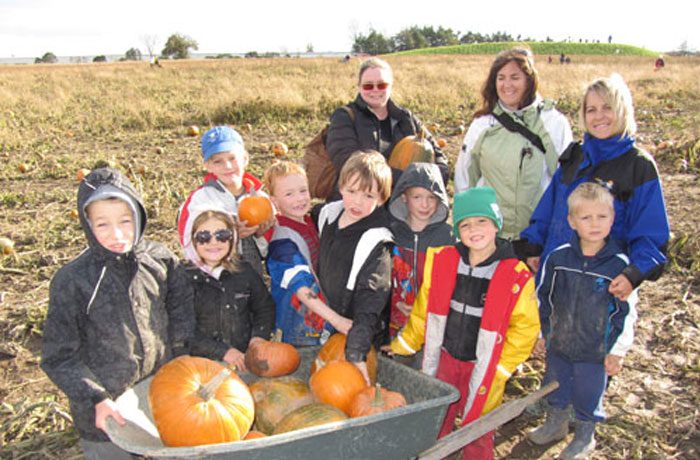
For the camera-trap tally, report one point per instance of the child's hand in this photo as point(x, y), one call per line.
point(104, 409)
point(621, 287)
point(243, 230)
point(342, 324)
point(533, 263)
point(387, 349)
point(362, 367)
point(236, 358)
point(613, 364)
point(265, 226)
point(540, 349)
point(404, 308)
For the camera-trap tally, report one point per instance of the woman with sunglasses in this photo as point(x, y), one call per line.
point(232, 304)
point(377, 122)
point(514, 141)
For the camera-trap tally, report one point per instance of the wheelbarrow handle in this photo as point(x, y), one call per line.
point(479, 427)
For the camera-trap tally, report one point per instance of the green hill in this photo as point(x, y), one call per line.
point(551, 48)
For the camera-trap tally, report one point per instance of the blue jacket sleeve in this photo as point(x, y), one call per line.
point(647, 233)
point(287, 267)
point(536, 232)
point(544, 290)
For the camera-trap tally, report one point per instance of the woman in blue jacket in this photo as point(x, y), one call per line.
point(608, 156)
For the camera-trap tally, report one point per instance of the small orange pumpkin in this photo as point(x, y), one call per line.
point(336, 384)
point(375, 400)
point(196, 401)
point(308, 416)
point(280, 149)
point(334, 350)
point(409, 150)
point(193, 130)
point(272, 359)
point(275, 398)
point(255, 209)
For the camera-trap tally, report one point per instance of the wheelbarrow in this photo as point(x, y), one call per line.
point(403, 433)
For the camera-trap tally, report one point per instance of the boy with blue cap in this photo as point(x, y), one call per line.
point(225, 185)
point(476, 311)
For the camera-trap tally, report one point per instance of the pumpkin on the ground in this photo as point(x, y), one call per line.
point(334, 350)
point(271, 359)
point(275, 398)
point(375, 400)
point(409, 150)
point(308, 416)
point(336, 384)
point(255, 209)
point(196, 401)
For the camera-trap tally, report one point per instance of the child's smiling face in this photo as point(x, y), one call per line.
point(291, 196)
point(228, 167)
point(214, 251)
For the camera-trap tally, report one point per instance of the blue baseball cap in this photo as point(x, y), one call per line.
point(221, 139)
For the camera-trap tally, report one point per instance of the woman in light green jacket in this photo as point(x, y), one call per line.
point(517, 164)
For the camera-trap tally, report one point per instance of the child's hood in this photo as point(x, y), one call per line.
point(106, 183)
point(428, 176)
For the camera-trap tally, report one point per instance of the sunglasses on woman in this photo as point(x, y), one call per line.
point(205, 236)
point(370, 86)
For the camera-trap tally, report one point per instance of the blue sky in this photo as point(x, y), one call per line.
point(30, 28)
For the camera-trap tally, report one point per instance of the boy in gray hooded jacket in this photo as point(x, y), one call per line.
point(419, 209)
point(117, 312)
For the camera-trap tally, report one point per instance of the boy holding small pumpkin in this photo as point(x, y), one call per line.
point(117, 312)
point(226, 184)
point(476, 311)
point(354, 262)
point(292, 261)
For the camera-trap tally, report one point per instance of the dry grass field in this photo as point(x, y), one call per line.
point(55, 119)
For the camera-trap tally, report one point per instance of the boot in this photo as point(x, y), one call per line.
point(555, 428)
point(582, 444)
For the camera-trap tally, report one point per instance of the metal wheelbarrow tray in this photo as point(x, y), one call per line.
point(397, 434)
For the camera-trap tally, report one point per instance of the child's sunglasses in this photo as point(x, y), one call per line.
point(204, 236)
point(370, 86)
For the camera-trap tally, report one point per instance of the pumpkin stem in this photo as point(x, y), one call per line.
point(208, 390)
point(378, 401)
point(277, 337)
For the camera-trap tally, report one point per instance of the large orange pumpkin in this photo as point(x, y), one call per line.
point(334, 350)
point(198, 401)
point(309, 415)
point(375, 400)
point(409, 150)
point(275, 398)
point(255, 209)
point(271, 359)
point(336, 384)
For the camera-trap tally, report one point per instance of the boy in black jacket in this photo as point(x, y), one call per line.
point(117, 312)
point(355, 253)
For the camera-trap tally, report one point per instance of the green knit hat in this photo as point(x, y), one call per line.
point(476, 202)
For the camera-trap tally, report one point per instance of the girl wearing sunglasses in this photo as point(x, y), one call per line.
point(377, 122)
point(232, 304)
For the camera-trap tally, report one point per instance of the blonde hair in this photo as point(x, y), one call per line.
point(614, 91)
point(370, 166)
point(231, 261)
point(279, 170)
point(375, 63)
point(591, 192)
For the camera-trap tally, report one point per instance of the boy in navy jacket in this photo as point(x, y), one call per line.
point(586, 330)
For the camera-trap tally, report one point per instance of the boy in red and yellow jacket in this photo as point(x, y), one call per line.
point(476, 312)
